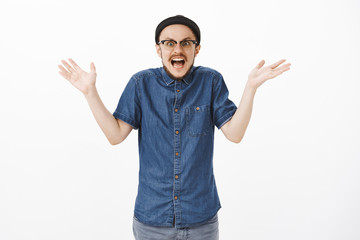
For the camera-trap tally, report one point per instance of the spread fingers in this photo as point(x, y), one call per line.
point(68, 67)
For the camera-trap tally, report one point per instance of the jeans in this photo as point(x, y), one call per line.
point(206, 231)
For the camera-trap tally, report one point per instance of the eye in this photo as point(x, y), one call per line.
point(186, 43)
point(170, 43)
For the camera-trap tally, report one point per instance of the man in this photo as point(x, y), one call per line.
point(175, 109)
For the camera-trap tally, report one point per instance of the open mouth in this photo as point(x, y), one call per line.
point(177, 62)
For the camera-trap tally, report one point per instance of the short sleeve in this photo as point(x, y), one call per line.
point(222, 107)
point(128, 108)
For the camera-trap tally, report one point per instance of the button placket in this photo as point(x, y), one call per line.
point(177, 151)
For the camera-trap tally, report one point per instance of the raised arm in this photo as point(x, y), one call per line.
point(235, 129)
point(114, 129)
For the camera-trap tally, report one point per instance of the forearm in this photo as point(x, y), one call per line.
point(235, 129)
point(103, 117)
point(239, 122)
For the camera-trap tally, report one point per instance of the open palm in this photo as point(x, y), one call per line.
point(80, 79)
point(260, 74)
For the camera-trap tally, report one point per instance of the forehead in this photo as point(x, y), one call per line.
point(176, 32)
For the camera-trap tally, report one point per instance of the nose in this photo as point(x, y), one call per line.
point(178, 48)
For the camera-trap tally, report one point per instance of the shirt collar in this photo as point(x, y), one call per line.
point(168, 80)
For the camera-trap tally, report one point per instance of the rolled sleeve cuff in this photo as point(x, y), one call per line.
point(224, 119)
point(126, 119)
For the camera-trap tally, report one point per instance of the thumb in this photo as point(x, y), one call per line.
point(260, 64)
point(92, 67)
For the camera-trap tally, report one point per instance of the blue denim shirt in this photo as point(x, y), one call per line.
point(175, 122)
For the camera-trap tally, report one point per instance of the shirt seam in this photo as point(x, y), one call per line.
point(225, 118)
point(126, 119)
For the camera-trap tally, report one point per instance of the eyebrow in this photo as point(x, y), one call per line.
point(187, 38)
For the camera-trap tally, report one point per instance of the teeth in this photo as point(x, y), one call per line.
point(177, 59)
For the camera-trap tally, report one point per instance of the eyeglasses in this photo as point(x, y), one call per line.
point(171, 44)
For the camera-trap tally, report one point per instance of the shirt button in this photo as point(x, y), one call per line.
point(176, 110)
point(177, 132)
point(175, 197)
point(197, 108)
point(176, 176)
point(178, 90)
point(177, 154)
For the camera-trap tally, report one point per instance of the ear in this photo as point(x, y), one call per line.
point(158, 50)
point(197, 49)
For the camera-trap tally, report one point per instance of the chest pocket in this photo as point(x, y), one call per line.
point(198, 120)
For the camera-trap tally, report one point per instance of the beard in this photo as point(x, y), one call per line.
point(177, 78)
point(171, 75)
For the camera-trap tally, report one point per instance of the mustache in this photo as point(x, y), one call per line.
point(178, 55)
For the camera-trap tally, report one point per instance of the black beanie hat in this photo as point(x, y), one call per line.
point(178, 19)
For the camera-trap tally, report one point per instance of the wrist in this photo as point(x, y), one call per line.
point(250, 88)
point(91, 91)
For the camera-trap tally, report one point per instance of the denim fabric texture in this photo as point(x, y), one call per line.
point(208, 231)
point(175, 122)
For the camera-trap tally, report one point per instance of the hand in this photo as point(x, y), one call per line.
point(259, 75)
point(84, 81)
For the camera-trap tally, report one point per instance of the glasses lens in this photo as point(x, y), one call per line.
point(169, 44)
point(186, 44)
